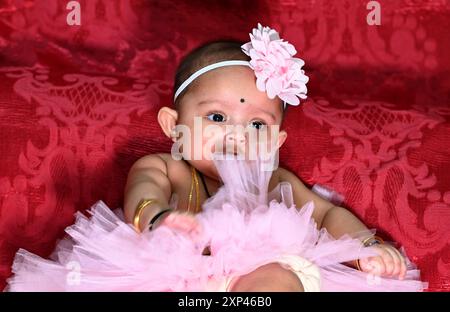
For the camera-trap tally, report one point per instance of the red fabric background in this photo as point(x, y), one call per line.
point(78, 106)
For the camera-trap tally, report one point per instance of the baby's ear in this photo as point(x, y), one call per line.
point(167, 119)
point(282, 136)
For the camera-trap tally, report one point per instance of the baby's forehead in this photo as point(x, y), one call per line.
point(229, 75)
point(233, 81)
point(232, 87)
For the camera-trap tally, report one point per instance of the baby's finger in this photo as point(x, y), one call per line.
point(403, 268)
point(388, 262)
point(396, 260)
point(182, 222)
point(378, 266)
point(372, 265)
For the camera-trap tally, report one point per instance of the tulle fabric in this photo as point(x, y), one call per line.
point(244, 226)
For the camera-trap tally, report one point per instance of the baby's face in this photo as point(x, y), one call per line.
point(230, 108)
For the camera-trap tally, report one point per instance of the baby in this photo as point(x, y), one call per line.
point(222, 84)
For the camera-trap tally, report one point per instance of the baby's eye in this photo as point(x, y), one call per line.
point(257, 124)
point(216, 117)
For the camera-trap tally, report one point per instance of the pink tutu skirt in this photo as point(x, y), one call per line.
point(244, 226)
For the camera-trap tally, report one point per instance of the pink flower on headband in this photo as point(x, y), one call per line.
point(276, 70)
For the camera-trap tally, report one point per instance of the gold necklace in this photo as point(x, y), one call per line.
point(194, 182)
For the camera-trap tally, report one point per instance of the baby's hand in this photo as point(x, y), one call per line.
point(389, 262)
point(183, 221)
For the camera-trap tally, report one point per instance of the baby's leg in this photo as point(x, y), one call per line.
point(268, 277)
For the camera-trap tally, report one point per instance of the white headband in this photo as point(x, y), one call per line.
point(277, 72)
point(205, 69)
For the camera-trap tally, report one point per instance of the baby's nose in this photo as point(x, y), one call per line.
point(236, 137)
point(235, 142)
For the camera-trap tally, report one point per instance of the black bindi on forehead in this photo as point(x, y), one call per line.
point(242, 100)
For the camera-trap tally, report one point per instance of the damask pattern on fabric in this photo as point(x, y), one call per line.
point(78, 107)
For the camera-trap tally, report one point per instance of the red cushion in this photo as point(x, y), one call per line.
point(72, 126)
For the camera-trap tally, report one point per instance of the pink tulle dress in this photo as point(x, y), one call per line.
point(244, 225)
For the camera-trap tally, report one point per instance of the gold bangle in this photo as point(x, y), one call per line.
point(358, 266)
point(372, 240)
point(137, 215)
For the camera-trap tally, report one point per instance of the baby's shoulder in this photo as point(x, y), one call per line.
point(162, 161)
point(282, 174)
point(279, 173)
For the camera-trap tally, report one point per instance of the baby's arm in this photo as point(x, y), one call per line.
point(147, 179)
point(339, 221)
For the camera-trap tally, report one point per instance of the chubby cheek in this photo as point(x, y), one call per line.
point(265, 143)
point(213, 139)
point(250, 144)
point(200, 143)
